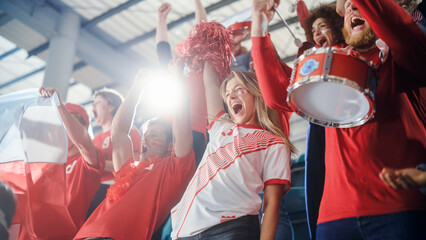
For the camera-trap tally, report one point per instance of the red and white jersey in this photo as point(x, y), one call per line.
point(239, 161)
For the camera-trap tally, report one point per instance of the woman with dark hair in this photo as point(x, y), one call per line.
point(323, 26)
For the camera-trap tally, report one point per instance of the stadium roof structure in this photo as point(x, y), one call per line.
point(109, 40)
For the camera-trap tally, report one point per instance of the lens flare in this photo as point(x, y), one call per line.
point(164, 92)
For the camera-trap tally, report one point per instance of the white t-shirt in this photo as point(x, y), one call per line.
point(239, 161)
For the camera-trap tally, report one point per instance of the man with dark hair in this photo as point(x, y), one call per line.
point(154, 184)
point(355, 203)
point(105, 105)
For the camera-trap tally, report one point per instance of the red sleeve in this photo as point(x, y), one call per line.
point(396, 28)
point(286, 183)
point(91, 178)
point(273, 77)
point(302, 12)
point(101, 162)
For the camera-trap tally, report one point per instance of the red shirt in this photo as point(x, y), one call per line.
point(82, 183)
point(141, 210)
point(302, 12)
point(395, 138)
point(54, 201)
point(103, 142)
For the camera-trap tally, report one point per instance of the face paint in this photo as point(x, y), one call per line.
point(325, 30)
point(241, 91)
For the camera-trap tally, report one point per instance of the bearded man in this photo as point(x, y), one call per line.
point(355, 203)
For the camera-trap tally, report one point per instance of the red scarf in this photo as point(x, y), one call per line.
point(126, 177)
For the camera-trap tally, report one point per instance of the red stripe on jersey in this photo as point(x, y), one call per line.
point(277, 181)
point(215, 119)
point(284, 182)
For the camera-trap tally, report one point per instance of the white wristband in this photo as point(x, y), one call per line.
point(55, 99)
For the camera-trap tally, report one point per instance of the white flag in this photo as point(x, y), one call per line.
point(31, 128)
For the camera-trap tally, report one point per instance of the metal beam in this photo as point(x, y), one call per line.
point(151, 33)
point(5, 18)
point(77, 66)
point(18, 79)
point(174, 24)
point(38, 49)
point(89, 23)
point(90, 49)
point(145, 36)
point(110, 13)
point(10, 52)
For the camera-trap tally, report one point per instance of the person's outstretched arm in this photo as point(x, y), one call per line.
point(75, 130)
point(164, 51)
point(212, 91)
point(302, 12)
point(262, 13)
point(161, 32)
point(200, 12)
point(182, 130)
point(121, 124)
point(273, 78)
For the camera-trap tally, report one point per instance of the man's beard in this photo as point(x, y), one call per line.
point(363, 40)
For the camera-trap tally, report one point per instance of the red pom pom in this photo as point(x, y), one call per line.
point(125, 178)
point(207, 42)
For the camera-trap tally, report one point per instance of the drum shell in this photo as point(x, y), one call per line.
point(333, 65)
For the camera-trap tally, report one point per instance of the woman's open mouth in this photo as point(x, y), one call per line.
point(236, 108)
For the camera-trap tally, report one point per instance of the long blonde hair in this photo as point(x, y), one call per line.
point(267, 117)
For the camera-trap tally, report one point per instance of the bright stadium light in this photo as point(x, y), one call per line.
point(163, 92)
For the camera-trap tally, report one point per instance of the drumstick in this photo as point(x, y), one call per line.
point(297, 41)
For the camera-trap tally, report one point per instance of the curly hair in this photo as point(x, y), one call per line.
point(334, 20)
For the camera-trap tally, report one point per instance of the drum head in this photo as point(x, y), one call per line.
point(331, 104)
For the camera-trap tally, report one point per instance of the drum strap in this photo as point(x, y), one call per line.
point(418, 103)
point(375, 68)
